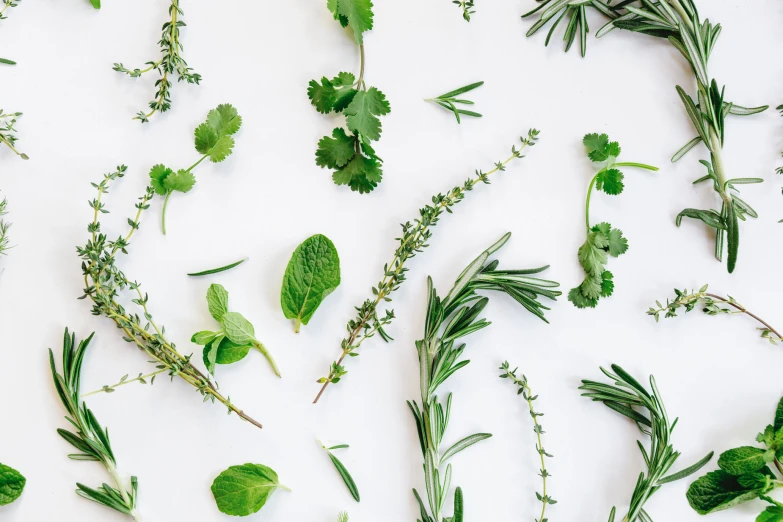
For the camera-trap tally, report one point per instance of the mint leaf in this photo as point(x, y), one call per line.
point(716, 491)
point(217, 301)
point(337, 151)
point(203, 337)
point(11, 484)
point(311, 275)
point(238, 329)
point(611, 182)
point(361, 114)
point(229, 352)
point(158, 175)
point(771, 514)
point(742, 460)
point(181, 181)
point(359, 15)
point(243, 490)
point(210, 353)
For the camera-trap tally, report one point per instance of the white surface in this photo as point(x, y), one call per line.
point(714, 372)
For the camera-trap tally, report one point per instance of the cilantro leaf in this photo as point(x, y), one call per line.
point(158, 175)
point(322, 95)
point(181, 181)
point(206, 137)
point(610, 181)
point(592, 255)
point(579, 300)
point(613, 149)
point(222, 149)
point(362, 174)
point(335, 152)
point(607, 283)
point(596, 146)
point(359, 15)
point(225, 119)
point(591, 288)
point(618, 245)
point(361, 114)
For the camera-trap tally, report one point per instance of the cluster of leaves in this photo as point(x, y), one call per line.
point(106, 285)
point(628, 397)
point(90, 439)
point(4, 226)
point(313, 272)
point(448, 320)
point(744, 475)
point(8, 131)
point(214, 139)
point(449, 102)
point(414, 239)
point(467, 6)
point(526, 393)
point(603, 240)
point(11, 484)
point(243, 490)
point(342, 517)
point(678, 21)
point(711, 304)
point(171, 63)
point(343, 471)
point(235, 338)
point(350, 154)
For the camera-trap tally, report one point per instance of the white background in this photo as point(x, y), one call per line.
point(714, 373)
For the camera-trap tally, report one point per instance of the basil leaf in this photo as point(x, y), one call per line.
point(11, 484)
point(210, 353)
point(716, 491)
point(243, 490)
point(742, 460)
point(229, 352)
point(312, 274)
point(238, 329)
point(217, 300)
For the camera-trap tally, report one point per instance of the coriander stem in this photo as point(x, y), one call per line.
point(360, 83)
point(163, 212)
point(589, 194)
point(261, 348)
point(636, 165)
point(205, 156)
point(123, 383)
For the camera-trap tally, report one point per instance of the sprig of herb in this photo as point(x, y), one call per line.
point(449, 319)
point(171, 63)
point(526, 393)
point(7, 131)
point(467, 7)
point(744, 475)
point(243, 490)
point(91, 440)
point(711, 304)
point(679, 22)
point(11, 484)
point(449, 102)
point(351, 156)
point(4, 226)
point(414, 239)
point(6, 4)
point(104, 282)
point(343, 471)
point(603, 240)
point(628, 397)
point(234, 339)
point(218, 270)
point(342, 517)
point(214, 139)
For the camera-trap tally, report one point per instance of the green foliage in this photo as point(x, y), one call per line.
point(96, 3)
point(8, 131)
point(628, 397)
point(448, 320)
point(243, 490)
point(106, 285)
point(342, 517)
point(213, 139)
point(526, 393)
point(234, 339)
point(90, 439)
point(602, 240)
point(449, 102)
point(171, 64)
point(11, 484)
point(311, 275)
point(414, 239)
point(467, 7)
point(744, 475)
point(343, 471)
point(5, 241)
point(351, 156)
point(217, 270)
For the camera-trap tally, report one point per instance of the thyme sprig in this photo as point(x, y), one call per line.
point(171, 63)
point(6, 4)
point(678, 21)
point(449, 319)
point(628, 397)
point(526, 393)
point(711, 304)
point(415, 237)
point(8, 131)
point(103, 282)
point(91, 440)
point(467, 6)
point(4, 226)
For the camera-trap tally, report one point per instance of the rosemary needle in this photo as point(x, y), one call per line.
point(218, 270)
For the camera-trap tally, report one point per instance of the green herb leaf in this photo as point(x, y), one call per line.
point(209, 355)
point(181, 181)
point(243, 490)
point(742, 460)
point(716, 491)
point(11, 484)
point(771, 514)
point(217, 270)
point(359, 15)
point(337, 151)
point(311, 275)
point(237, 328)
point(203, 337)
point(610, 181)
point(347, 478)
point(158, 175)
point(361, 114)
point(217, 301)
point(229, 352)
point(779, 416)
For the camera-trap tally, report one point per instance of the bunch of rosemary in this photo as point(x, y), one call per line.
point(449, 319)
point(104, 282)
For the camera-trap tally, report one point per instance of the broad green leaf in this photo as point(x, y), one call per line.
point(312, 274)
point(96, 3)
point(238, 329)
point(158, 175)
point(779, 416)
point(210, 353)
point(224, 119)
point(716, 491)
point(322, 95)
point(771, 514)
point(217, 300)
point(742, 460)
point(229, 352)
point(618, 244)
point(361, 114)
point(203, 337)
point(180, 181)
point(359, 15)
point(11, 484)
point(222, 149)
point(347, 478)
point(206, 137)
point(611, 182)
point(243, 490)
point(337, 151)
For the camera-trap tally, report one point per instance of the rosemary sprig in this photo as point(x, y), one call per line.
point(711, 304)
point(4, 226)
point(342, 517)
point(678, 21)
point(171, 63)
point(449, 102)
point(103, 282)
point(414, 239)
point(91, 440)
point(7, 131)
point(449, 319)
point(526, 393)
point(467, 8)
point(627, 397)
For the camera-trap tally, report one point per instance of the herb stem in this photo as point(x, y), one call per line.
point(127, 381)
point(745, 311)
point(205, 156)
point(261, 348)
point(163, 211)
point(360, 83)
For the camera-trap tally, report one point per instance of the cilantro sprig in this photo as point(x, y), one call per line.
point(603, 240)
point(350, 154)
point(214, 139)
